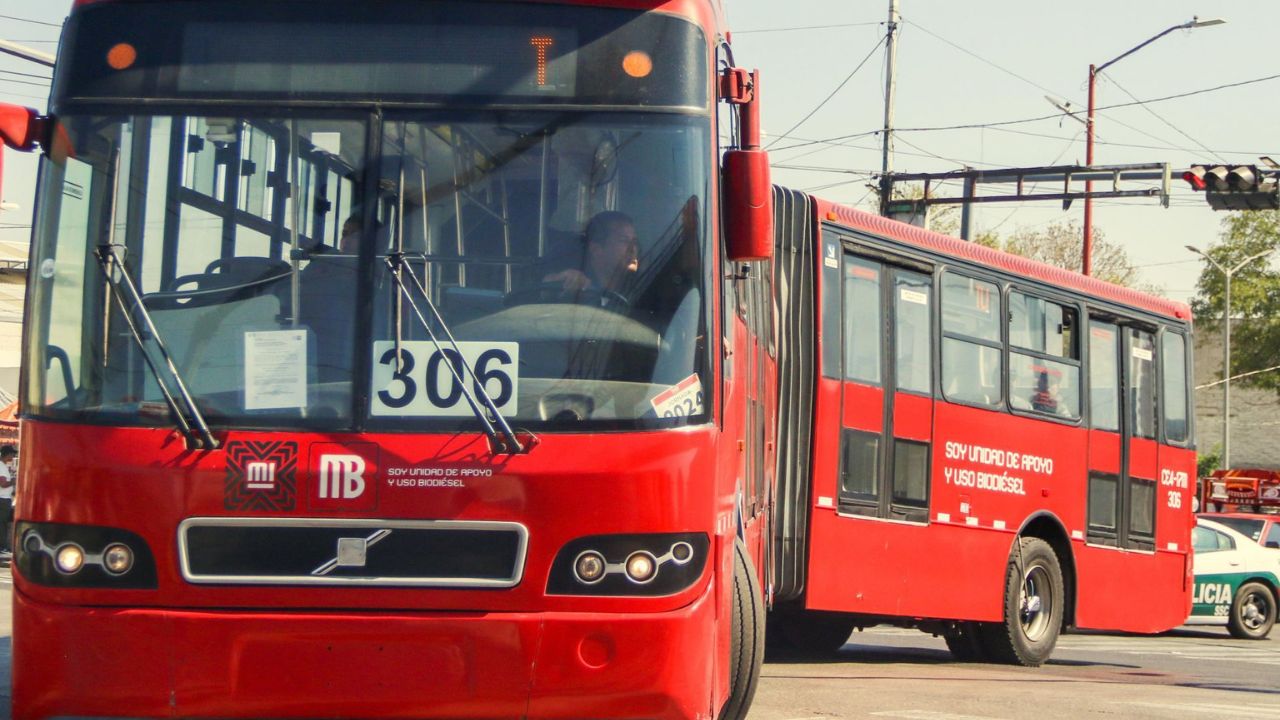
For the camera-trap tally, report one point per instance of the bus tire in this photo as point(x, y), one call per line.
point(746, 645)
point(964, 640)
point(1033, 605)
point(1253, 612)
point(813, 631)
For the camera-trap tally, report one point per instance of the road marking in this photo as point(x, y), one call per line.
point(927, 715)
point(1180, 709)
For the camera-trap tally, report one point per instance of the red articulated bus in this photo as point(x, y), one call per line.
point(456, 359)
point(986, 447)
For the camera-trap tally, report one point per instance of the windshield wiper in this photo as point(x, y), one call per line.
point(508, 442)
point(198, 437)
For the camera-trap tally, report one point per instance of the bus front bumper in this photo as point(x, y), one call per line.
point(109, 662)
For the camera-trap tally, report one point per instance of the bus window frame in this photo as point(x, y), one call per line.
point(1079, 362)
point(1002, 345)
point(1162, 432)
point(885, 506)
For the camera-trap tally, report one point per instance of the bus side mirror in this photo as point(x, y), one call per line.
point(20, 127)
point(748, 190)
point(748, 205)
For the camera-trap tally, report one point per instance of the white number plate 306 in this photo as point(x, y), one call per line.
point(420, 383)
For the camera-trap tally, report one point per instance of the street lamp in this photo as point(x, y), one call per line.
point(1087, 252)
point(1226, 344)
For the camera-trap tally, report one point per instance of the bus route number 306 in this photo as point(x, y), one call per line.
point(416, 380)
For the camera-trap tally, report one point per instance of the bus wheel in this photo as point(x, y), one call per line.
point(1032, 608)
point(746, 647)
point(964, 641)
point(813, 631)
point(1253, 612)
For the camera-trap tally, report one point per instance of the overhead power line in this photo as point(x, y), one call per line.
point(971, 126)
point(975, 55)
point(807, 27)
point(24, 82)
point(29, 20)
point(1161, 118)
point(27, 75)
point(828, 98)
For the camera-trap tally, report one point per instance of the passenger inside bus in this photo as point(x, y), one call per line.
point(1045, 398)
point(327, 299)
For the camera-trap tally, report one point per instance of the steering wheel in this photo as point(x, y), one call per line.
point(554, 292)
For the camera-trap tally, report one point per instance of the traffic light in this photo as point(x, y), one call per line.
point(1235, 187)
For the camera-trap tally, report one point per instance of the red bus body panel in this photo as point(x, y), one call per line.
point(473, 653)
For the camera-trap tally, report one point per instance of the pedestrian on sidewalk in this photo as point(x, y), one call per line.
point(8, 479)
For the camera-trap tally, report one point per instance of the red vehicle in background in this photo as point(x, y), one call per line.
point(330, 409)
point(1243, 490)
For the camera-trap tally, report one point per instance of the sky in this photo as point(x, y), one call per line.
point(976, 63)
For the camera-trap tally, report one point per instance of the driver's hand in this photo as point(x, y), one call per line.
point(572, 280)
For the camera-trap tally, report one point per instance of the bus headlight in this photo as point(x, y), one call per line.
point(117, 559)
point(641, 567)
point(589, 567)
point(83, 556)
point(69, 558)
point(638, 565)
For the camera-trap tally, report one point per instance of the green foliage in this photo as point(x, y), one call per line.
point(1208, 461)
point(1255, 294)
point(1062, 245)
point(1059, 244)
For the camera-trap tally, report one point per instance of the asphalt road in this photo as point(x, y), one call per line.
point(1189, 674)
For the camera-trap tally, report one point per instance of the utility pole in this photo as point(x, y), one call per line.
point(891, 63)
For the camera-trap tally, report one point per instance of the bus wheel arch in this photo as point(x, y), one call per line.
point(1047, 527)
point(1033, 603)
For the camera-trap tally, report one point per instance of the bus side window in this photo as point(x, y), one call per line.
point(861, 320)
point(971, 343)
point(1142, 408)
point(1173, 356)
point(1044, 362)
point(1104, 388)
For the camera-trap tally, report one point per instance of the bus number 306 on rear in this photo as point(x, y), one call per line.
point(423, 381)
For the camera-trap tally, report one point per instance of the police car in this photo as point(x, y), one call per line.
point(1237, 581)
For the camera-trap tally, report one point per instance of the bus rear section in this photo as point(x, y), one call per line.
point(1000, 449)
point(373, 369)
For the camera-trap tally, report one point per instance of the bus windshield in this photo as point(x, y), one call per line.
point(308, 271)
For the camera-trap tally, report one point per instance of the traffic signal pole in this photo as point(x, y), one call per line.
point(1086, 251)
point(891, 64)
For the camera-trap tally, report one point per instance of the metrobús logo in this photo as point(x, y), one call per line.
point(261, 476)
point(343, 476)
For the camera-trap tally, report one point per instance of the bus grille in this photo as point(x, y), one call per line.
point(288, 551)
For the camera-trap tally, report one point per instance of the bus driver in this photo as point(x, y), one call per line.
point(609, 261)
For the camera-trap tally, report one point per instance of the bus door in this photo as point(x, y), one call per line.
point(1122, 441)
point(887, 393)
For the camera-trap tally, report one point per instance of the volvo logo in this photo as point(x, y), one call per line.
point(352, 552)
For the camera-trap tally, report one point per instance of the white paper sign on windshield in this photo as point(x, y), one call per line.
point(679, 400)
point(275, 369)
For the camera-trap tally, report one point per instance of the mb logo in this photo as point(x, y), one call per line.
point(341, 477)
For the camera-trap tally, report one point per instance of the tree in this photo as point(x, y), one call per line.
point(1255, 295)
point(1060, 245)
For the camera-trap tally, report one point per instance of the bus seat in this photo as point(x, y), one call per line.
point(224, 280)
point(461, 304)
